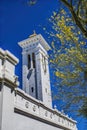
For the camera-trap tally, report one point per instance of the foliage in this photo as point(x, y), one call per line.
point(83, 110)
point(69, 54)
point(69, 60)
point(78, 9)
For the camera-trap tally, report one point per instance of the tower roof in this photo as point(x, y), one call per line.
point(33, 39)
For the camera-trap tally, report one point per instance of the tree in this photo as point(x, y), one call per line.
point(69, 61)
point(78, 9)
point(70, 55)
point(83, 110)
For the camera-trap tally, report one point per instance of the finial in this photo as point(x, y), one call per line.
point(62, 111)
point(55, 107)
point(34, 34)
point(34, 31)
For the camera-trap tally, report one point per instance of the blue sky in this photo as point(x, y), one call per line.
point(17, 22)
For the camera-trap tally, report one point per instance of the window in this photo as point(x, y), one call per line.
point(29, 62)
point(45, 65)
point(33, 59)
point(32, 89)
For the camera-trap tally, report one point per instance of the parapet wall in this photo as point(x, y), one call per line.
point(22, 112)
point(28, 106)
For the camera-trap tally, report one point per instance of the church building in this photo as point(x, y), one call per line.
point(30, 108)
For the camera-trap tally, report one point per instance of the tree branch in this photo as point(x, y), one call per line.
point(71, 2)
point(78, 7)
point(75, 17)
point(66, 3)
point(77, 21)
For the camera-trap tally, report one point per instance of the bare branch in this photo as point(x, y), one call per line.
point(78, 23)
point(78, 7)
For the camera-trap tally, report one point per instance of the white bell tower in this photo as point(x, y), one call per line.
point(35, 69)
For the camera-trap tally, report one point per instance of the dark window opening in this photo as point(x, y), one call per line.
point(33, 59)
point(29, 62)
point(45, 65)
point(32, 89)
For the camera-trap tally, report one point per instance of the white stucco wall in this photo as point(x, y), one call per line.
point(17, 116)
point(14, 121)
point(0, 62)
point(9, 67)
point(0, 107)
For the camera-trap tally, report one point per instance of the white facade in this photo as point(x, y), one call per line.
point(36, 81)
point(19, 110)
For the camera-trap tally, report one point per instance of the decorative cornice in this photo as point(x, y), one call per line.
point(31, 40)
point(27, 97)
point(34, 116)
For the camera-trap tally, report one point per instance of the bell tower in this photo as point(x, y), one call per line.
point(35, 69)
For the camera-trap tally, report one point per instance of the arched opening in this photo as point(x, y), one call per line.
point(33, 59)
point(29, 61)
point(32, 89)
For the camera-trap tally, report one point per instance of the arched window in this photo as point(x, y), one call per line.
point(29, 62)
point(45, 65)
point(33, 59)
point(32, 89)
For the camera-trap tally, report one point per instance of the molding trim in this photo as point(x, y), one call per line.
point(22, 112)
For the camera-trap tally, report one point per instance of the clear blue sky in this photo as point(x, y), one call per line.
point(17, 22)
